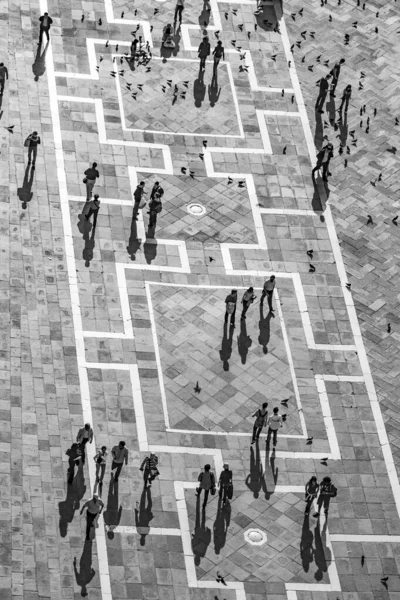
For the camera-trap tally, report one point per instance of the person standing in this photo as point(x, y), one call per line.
point(94, 207)
point(274, 423)
point(74, 458)
point(345, 99)
point(138, 197)
point(3, 77)
point(248, 298)
point(155, 207)
point(268, 290)
point(100, 460)
point(311, 492)
point(323, 159)
point(149, 468)
point(218, 53)
point(225, 483)
point(45, 24)
point(204, 51)
point(85, 435)
point(180, 5)
point(231, 303)
point(94, 508)
point(32, 141)
point(91, 174)
point(207, 483)
point(261, 415)
point(120, 455)
point(326, 491)
point(156, 189)
point(335, 72)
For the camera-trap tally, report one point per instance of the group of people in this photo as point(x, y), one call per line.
point(247, 300)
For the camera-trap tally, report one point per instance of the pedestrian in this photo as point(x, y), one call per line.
point(274, 423)
point(45, 24)
point(149, 468)
point(268, 290)
point(248, 298)
point(100, 459)
point(218, 53)
point(207, 483)
point(180, 5)
point(345, 99)
point(32, 142)
point(91, 174)
point(323, 159)
point(74, 458)
point(93, 208)
point(323, 91)
point(311, 492)
point(156, 189)
point(94, 508)
point(120, 455)
point(85, 435)
point(204, 51)
point(138, 199)
point(335, 72)
point(326, 491)
point(230, 303)
point(155, 207)
point(225, 484)
point(3, 77)
point(261, 415)
point(133, 51)
point(168, 37)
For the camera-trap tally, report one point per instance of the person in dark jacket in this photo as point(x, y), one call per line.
point(45, 24)
point(225, 483)
point(323, 160)
point(207, 483)
point(204, 51)
point(326, 491)
point(149, 468)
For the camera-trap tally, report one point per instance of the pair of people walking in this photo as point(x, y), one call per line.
point(204, 52)
point(274, 423)
point(207, 484)
point(324, 491)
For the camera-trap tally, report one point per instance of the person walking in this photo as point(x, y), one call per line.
point(261, 415)
point(248, 298)
point(94, 207)
point(156, 189)
point(274, 423)
point(3, 77)
point(32, 142)
point(268, 290)
point(85, 435)
point(230, 304)
point(45, 24)
point(204, 51)
point(94, 508)
point(155, 207)
point(326, 491)
point(180, 5)
point(323, 91)
point(311, 492)
point(100, 459)
point(335, 72)
point(138, 199)
point(149, 468)
point(91, 174)
point(225, 484)
point(345, 99)
point(218, 53)
point(207, 483)
point(323, 159)
point(120, 455)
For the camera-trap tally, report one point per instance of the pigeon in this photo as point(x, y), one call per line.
point(373, 183)
point(310, 68)
point(380, 177)
point(163, 88)
point(375, 111)
point(330, 18)
point(226, 16)
point(197, 389)
point(354, 24)
point(289, 65)
point(301, 12)
point(121, 60)
point(285, 401)
point(324, 461)
point(100, 22)
point(362, 560)
point(389, 328)
point(234, 11)
point(156, 10)
point(191, 174)
point(369, 221)
point(201, 156)
point(284, 417)
point(396, 121)
point(97, 68)
point(233, 42)
point(128, 86)
point(241, 184)
point(230, 180)
point(309, 440)
point(312, 33)
point(140, 86)
point(10, 128)
point(211, 259)
point(282, 93)
point(345, 163)
point(220, 579)
point(82, 18)
point(116, 48)
point(310, 253)
point(134, 94)
point(348, 286)
point(148, 69)
point(394, 220)
point(186, 84)
point(384, 581)
point(183, 96)
point(392, 150)
point(293, 15)
point(122, 15)
point(303, 34)
point(183, 170)
point(273, 57)
point(240, 27)
point(292, 99)
point(284, 150)
point(318, 59)
point(311, 269)
point(205, 143)
point(249, 34)
point(107, 42)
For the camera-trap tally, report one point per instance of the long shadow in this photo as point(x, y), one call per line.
point(39, 66)
point(264, 325)
point(331, 109)
point(150, 250)
point(319, 131)
point(86, 572)
point(255, 479)
point(67, 508)
point(201, 537)
point(1, 102)
point(343, 129)
point(177, 40)
point(221, 525)
point(24, 192)
point(316, 201)
point(322, 554)
point(213, 92)
point(244, 341)
point(306, 544)
point(226, 347)
point(112, 514)
point(143, 514)
point(271, 473)
point(204, 17)
point(134, 243)
point(199, 89)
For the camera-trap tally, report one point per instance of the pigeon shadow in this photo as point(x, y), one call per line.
point(39, 66)
point(86, 572)
point(306, 544)
point(213, 92)
point(319, 131)
point(134, 243)
point(143, 514)
point(112, 514)
point(75, 492)
point(226, 347)
point(221, 525)
point(199, 89)
point(201, 537)
point(244, 341)
point(24, 192)
point(264, 325)
point(255, 479)
point(150, 250)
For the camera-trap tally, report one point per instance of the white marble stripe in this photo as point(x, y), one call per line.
point(131, 529)
point(365, 538)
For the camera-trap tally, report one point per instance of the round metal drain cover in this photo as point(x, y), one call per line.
point(196, 209)
point(255, 537)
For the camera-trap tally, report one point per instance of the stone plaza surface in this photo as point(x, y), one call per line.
point(123, 326)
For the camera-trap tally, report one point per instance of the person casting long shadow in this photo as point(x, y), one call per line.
point(134, 243)
point(226, 347)
point(201, 537)
point(24, 192)
point(343, 129)
point(204, 16)
point(143, 514)
point(244, 341)
point(213, 91)
point(221, 525)
point(306, 544)
point(199, 89)
point(150, 250)
point(112, 514)
point(255, 479)
point(264, 325)
point(86, 572)
point(75, 492)
point(39, 66)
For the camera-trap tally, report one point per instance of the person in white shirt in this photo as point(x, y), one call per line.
point(101, 460)
point(94, 508)
point(274, 423)
point(120, 455)
point(268, 290)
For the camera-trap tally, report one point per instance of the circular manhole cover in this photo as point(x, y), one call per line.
point(196, 209)
point(256, 537)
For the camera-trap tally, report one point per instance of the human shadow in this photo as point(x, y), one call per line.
point(343, 129)
point(1, 101)
point(213, 92)
point(306, 544)
point(322, 553)
point(331, 109)
point(226, 347)
point(201, 537)
point(264, 325)
point(319, 131)
point(74, 458)
point(143, 514)
point(255, 479)
point(75, 492)
point(266, 18)
point(134, 243)
point(199, 89)
point(204, 17)
point(150, 249)
point(244, 341)
point(316, 201)
point(221, 525)
point(112, 514)
point(86, 572)
point(24, 192)
point(177, 40)
point(271, 473)
point(39, 66)
point(88, 250)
